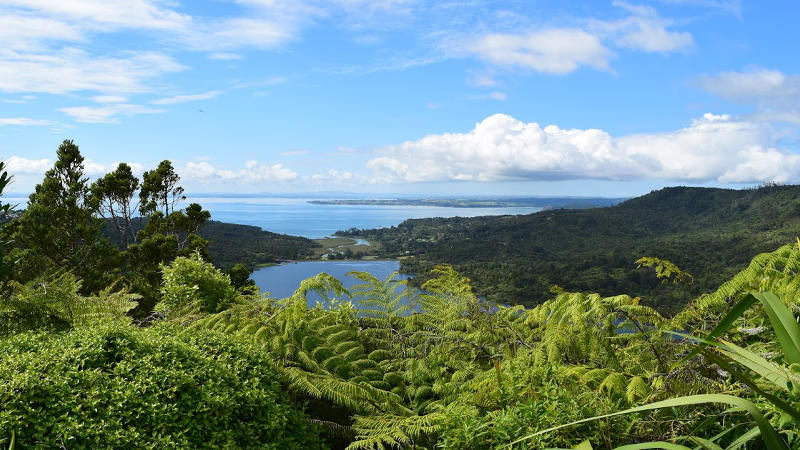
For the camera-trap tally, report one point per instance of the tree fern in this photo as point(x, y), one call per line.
point(55, 303)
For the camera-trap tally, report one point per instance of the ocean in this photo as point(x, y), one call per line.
point(298, 217)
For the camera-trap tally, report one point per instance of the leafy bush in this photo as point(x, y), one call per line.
point(56, 304)
point(114, 386)
point(194, 282)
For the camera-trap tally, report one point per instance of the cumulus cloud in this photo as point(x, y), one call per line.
point(107, 114)
point(713, 147)
point(19, 165)
point(253, 172)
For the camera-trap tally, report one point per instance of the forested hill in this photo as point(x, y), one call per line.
point(233, 243)
point(230, 243)
point(711, 233)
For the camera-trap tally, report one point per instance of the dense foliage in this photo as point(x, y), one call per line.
point(516, 259)
point(113, 386)
point(445, 368)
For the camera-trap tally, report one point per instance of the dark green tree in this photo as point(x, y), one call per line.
point(240, 278)
point(161, 241)
point(5, 265)
point(168, 233)
point(160, 190)
point(114, 195)
point(59, 230)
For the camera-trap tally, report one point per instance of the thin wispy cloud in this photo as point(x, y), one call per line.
point(73, 70)
point(186, 98)
point(107, 114)
point(24, 121)
point(225, 56)
point(774, 95)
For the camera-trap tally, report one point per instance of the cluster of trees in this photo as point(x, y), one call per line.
point(516, 259)
point(61, 230)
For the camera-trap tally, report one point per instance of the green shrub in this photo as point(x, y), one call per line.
point(194, 282)
point(115, 386)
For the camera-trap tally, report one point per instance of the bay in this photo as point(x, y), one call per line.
point(283, 279)
point(297, 217)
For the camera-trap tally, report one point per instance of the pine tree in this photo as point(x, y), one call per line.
point(59, 230)
point(114, 199)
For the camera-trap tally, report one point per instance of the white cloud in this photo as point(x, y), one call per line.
point(732, 6)
point(561, 50)
point(555, 51)
point(20, 32)
point(643, 30)
point(107, 114)
point(263, 82)
point(333, 176)
point(19, 165)
point(503, 148)
point(253, 172)
point(482, 80)
point(107, 14)
point(225, 56)
point(751, 85)
point(26, 166)
point(41, 41)
point(24, 121)
point(186, 98)
point(775, 95)
point(72, 70)
point(265, 24)
point(109, 99)
point(201, 169)
point(96, 169)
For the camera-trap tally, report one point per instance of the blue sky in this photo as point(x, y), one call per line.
point(407, 96)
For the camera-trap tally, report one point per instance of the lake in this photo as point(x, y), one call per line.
point(300, 218)
point(282, 280)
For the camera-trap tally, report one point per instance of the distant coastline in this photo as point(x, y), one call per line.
point(527, 202)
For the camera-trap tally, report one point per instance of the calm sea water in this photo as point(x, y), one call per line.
point(282, 280)
point(300, 218)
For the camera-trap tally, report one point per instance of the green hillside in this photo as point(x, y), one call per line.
point(709, 232)
point(230, 243)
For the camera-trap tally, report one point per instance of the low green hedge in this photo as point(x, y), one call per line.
point(116, 386)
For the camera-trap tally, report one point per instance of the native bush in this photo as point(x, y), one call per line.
point(115, 386)
point(194, 283)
